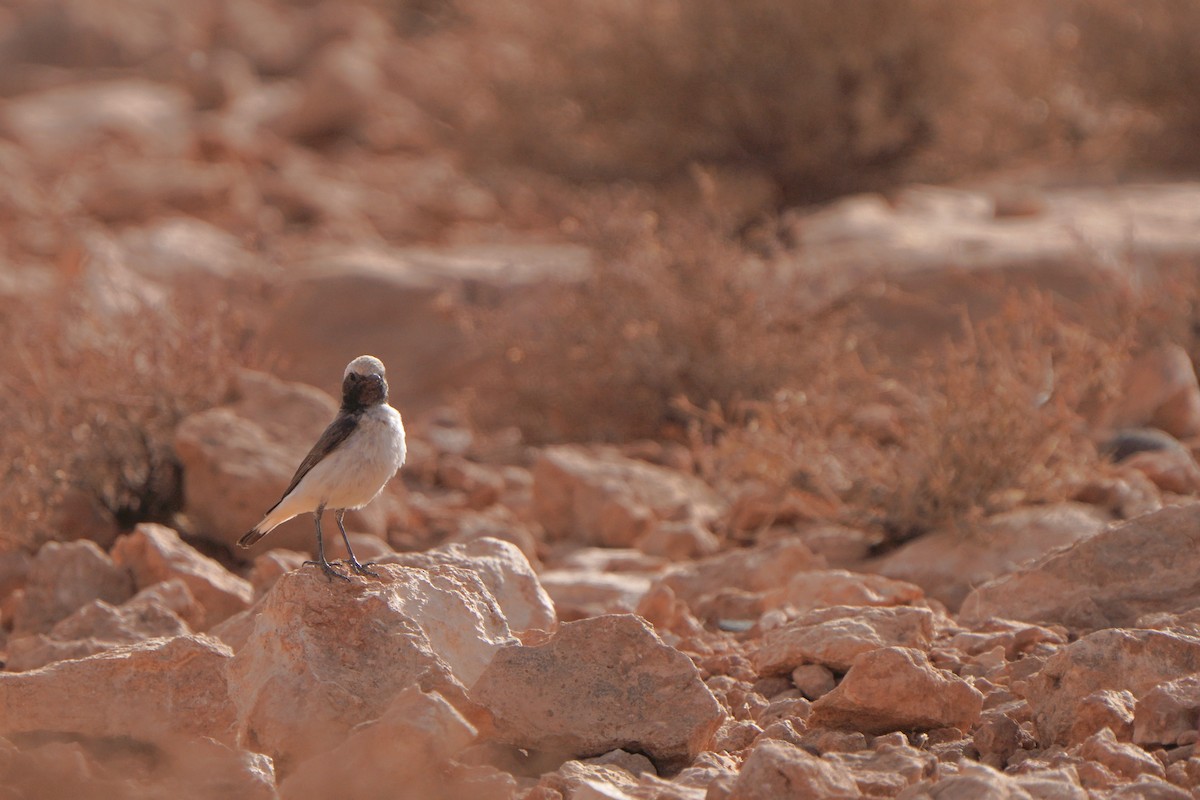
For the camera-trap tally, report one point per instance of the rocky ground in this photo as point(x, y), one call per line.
point(582, 633)
point(209, 208)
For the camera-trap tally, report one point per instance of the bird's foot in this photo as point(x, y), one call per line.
point(328, 569)
point(361, 569)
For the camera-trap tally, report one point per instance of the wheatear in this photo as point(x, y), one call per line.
point(349, 465)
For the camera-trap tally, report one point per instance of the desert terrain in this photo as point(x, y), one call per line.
point(800, 398)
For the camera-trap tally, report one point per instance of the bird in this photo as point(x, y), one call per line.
point(360, 451)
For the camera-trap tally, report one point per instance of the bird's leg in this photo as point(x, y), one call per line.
point(361, 569)
point(325, 566)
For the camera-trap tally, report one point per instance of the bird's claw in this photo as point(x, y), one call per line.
point(362, 569)
point(328, 569)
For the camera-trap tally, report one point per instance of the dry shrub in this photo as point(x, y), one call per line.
point(1006, 419)
point(1143, 58)
point(995, 419)
point(671, 311)
point(820, 97)
point(93, 384)
point(824, 96)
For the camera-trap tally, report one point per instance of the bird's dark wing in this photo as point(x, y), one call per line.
point(338, 431)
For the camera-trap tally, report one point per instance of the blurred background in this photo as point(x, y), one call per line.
point(888, 261)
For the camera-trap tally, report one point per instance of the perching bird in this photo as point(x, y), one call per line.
point(349, 465)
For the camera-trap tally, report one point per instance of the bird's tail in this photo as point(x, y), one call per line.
point(250, 538)
point(284, 510)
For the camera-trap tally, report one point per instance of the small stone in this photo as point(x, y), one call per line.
point(896, 688)
point(813, 680)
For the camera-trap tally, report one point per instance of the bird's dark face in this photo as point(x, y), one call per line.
point(363, 390)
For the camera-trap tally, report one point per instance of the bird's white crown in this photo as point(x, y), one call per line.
point(365, 365)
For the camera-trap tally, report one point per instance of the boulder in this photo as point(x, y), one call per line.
point(836, 636)
point(590, 581)
point(1168, 714)
point(1161, 391)
point(325, 656)
point(777, 769)
point(999, 736)
point(580, 593)
point(481, 485)
point(1106, 581)
point(887, 768)
point(64, 577)
point(1122, 758)
point(1149, 787)
point(154, 118)
point(813, 680)
point(1015, 639)
point(95, 628)
point(497, 522)
point(598, 685)
point(403, 753)
point(947, 564)
point(1125, 495)
point(273, 565)
point(820, 588)
point(590, 778)
point(236, 630)
point(897, 689)
point(137, 190)
point(184, 247)
point(154, 554)
point(596, 496)
point(759, 570)
point(979, 782)
point(150, 691)
point(398, 305)
point(1103, 708)
point(505, 571)
point(1115, 660)
point(175, 596)
point(195, 768)
point(680, 540)
point(1173, 470)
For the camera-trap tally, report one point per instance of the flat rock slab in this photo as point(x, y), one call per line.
point(148, 691)
point(836, 636)
point(1148, 564)
point(947, 564)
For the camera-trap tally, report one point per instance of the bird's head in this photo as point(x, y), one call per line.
point(364, 383)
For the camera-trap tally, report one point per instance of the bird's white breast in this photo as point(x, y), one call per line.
point(357, 470)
